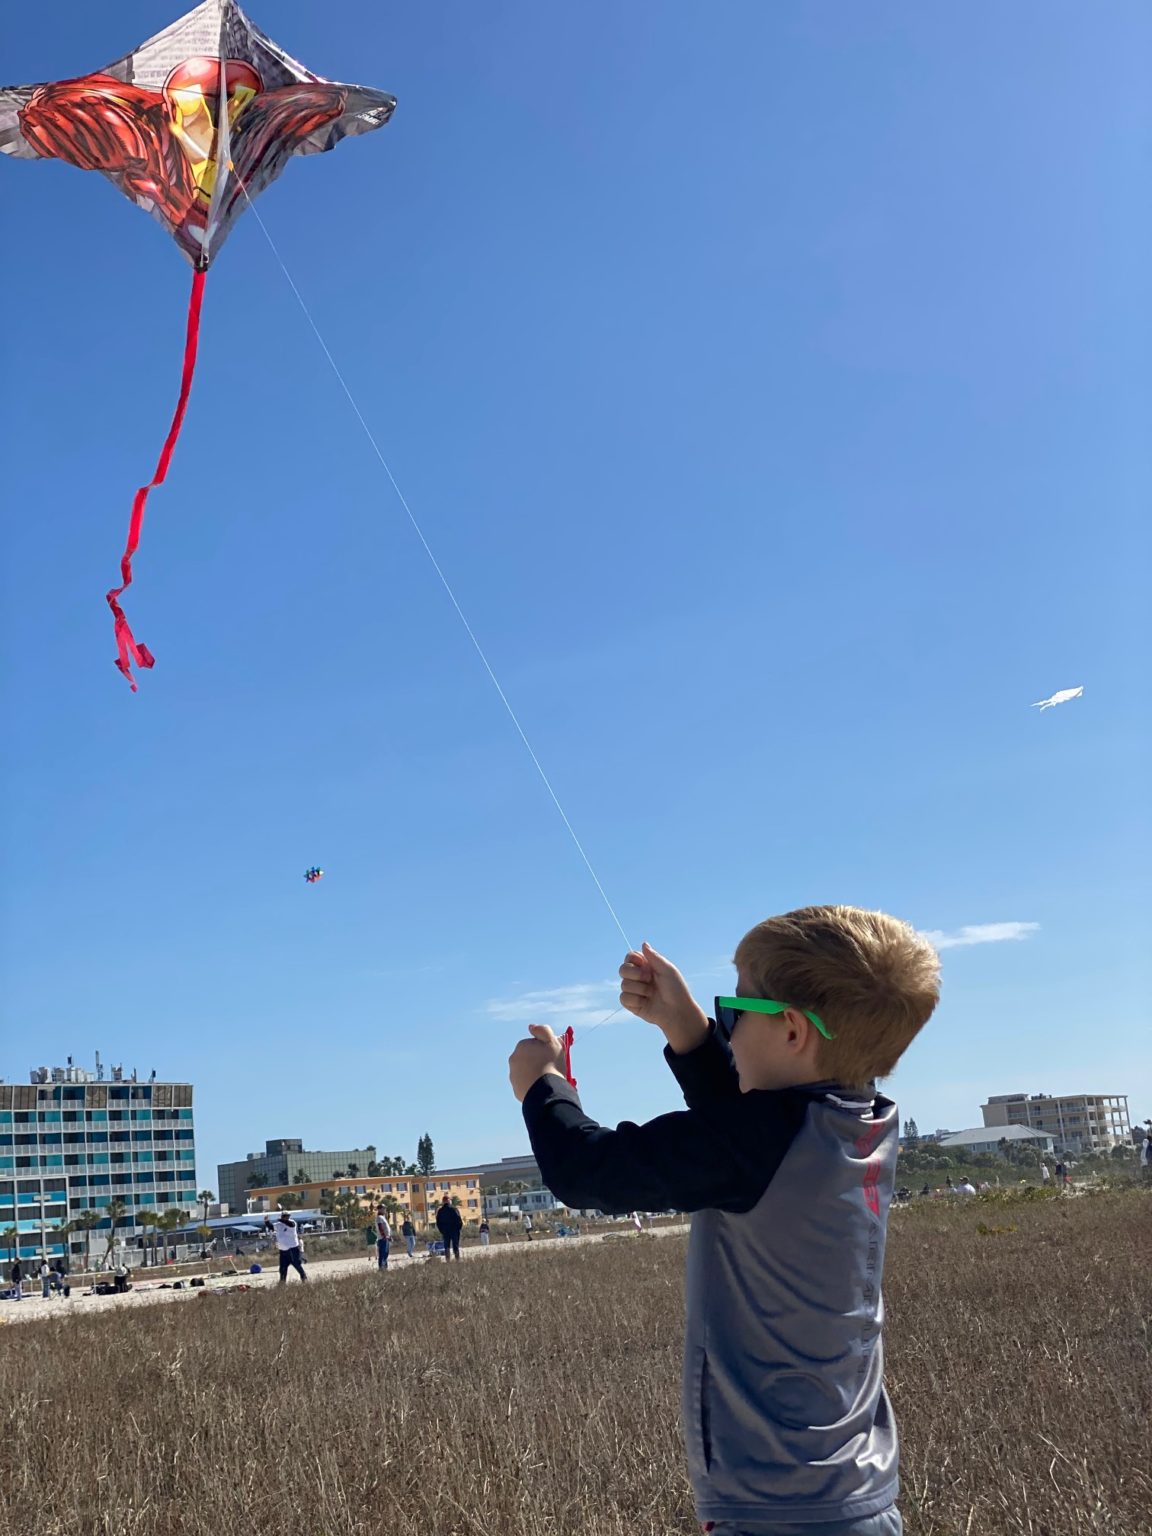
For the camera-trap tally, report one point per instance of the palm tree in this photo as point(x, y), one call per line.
point(10, 1235)
point(254, 1181)
point(148, 1219)
point(87, 1222)
point(353, 1170)
point(169, 1221)
point(301, 1176)
point(64, 1230)
point(206, 1197)
point(115, 1211)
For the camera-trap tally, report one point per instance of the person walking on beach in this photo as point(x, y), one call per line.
point(383, 1237)
point(527, 1226)
point(485, 1232)
point(16, 1275)
point(449, 1222)
point(287, 1235)
point(408, 1232)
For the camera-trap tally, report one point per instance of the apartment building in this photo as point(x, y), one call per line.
point(72, 1142)
point(1077, 1122)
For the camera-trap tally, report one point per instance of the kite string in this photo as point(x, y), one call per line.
point(444, 582)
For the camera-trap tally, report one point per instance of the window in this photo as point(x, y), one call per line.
point(471, 1183)
point(472, 1204)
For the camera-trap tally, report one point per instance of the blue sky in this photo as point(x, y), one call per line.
point(772, 383)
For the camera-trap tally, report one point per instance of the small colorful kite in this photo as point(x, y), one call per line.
point(313, 874)
point(192, 126)
point(1059, 698)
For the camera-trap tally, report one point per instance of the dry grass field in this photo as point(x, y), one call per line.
point(535, 1393)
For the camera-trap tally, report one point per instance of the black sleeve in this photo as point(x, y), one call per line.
point(705, 1074)
point(687, 1161)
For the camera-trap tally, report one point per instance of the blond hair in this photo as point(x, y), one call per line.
point(873, 980)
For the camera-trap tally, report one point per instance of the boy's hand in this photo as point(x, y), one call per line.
point(653, 989)
point(534, 1059)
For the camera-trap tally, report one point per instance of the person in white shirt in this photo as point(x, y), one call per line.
point(965, 1187)
point(287, 1235)
point(383, 1237)
point(527, 1226)
point(1045, 1173)
point(45, 1278)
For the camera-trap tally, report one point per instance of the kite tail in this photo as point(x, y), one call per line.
point(567, 1039)
point(128, 648)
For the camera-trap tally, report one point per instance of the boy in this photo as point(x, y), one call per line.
point(789, 1155)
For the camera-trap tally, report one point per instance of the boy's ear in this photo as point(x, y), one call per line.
point(799, 1029)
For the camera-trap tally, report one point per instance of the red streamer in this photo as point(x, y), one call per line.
point(567, 1039)
point(128, 649)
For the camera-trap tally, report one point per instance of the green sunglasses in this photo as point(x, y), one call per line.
point(729, 1009)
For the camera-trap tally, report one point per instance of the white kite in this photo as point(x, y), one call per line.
point(1059, 698)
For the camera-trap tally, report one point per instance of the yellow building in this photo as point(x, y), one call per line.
point(416, 1193)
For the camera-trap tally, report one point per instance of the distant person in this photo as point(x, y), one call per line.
point(636, 1222)
point(485, 1232)
point(383, 1237)
point(927, 1190)
point(287, 1235)
point(786, 1154)
point(45, 1279)
point(949, 1186)
point(1061, 1175)
point(965, 1187)
point(449, 1222)
point(1045, 1173)
point(16, 1275)
point(121, 1277)
point(1146, 1156)
point(60, 1277)
point(527, 1225)
point(408, 1232)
